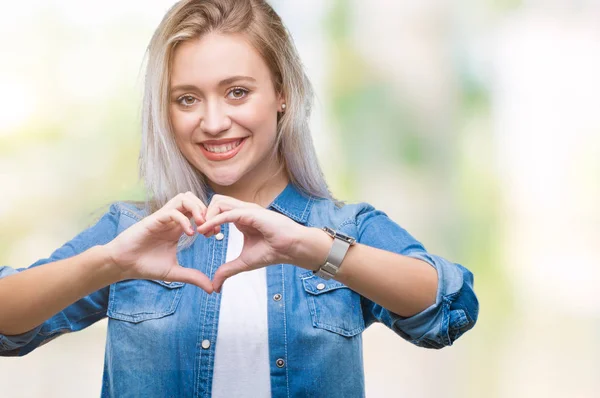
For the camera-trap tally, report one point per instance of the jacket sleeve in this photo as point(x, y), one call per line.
point(456, 307)
point(78, 315)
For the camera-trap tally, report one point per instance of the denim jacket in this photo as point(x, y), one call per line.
point(161, 336)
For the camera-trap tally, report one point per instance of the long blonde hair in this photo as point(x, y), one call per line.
point(162, 166)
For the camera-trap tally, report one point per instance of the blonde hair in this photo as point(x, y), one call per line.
point(162, 166)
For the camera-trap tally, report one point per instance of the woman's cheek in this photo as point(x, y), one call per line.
point(257, 119)
point(183, 122)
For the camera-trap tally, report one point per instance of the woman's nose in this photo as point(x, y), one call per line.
point(214, 120)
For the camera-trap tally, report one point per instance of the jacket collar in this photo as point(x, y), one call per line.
point(291, 202)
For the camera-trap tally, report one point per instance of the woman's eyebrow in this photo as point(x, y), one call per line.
point(184, 87)
point(224, 82)
point(232, 79)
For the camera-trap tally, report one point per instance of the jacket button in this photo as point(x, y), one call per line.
point(320, 286)
point(277, 297)
point(219, 236)
point(280, 363)
point(206, 344)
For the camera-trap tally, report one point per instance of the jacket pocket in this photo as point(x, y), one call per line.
point(137, 300)
point(333, 306)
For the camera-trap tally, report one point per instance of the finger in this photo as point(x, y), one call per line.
point(194, 205)
point(215, 208)
point(179, 218)
point(228, 216)
point(190, 275)
point(228, 270)
point(215, 231)
point(187, 204)
point(222, 203)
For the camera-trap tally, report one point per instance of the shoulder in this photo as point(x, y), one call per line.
point(326, 212)
point(132, 209)
point(366, 223)
point(119, 216)
point(128, 213)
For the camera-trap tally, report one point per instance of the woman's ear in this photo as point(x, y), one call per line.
point(281, 101)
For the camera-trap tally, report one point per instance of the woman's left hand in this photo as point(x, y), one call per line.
point(269, 237)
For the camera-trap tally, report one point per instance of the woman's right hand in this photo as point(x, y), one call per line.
point(148, 249)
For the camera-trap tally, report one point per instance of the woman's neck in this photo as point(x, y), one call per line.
point(259, 192)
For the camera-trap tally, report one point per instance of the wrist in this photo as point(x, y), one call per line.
point(312, 248)
point(112, 271)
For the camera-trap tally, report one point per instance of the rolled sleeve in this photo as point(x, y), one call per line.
point(456, 307)
point(81, 313)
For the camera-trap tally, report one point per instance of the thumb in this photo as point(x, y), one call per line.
point(228, 270)
point(190, 275)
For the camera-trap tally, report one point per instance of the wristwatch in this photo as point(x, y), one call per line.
point(341, 243)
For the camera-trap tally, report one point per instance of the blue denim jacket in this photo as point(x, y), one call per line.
point(156, 329)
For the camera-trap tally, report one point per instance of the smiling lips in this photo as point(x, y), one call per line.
point(225, 149)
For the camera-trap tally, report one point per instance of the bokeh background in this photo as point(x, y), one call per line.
point(474, 124)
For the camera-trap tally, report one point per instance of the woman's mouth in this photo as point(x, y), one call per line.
point(223, 151)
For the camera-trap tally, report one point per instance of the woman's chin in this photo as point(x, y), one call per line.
point(224, 180)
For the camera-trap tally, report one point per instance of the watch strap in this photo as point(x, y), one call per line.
point(339, 248)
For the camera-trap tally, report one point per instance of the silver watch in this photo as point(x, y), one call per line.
point(341, 243)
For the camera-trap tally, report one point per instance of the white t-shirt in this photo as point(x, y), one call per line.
point(242, 351)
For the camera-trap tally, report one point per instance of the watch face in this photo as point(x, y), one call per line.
point(345, 237)
point(329, 231)
point(335, 234)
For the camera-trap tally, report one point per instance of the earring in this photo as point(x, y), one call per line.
point(283, 106)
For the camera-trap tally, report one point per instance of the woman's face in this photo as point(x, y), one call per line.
point(223, 108)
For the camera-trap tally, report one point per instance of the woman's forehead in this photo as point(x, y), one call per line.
point(214, 57)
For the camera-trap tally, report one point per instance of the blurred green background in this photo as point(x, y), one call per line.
point(474, 125)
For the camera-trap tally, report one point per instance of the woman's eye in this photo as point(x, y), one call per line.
point(237, 93)
point(187, 100)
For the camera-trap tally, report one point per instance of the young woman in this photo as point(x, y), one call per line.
point(240, 275)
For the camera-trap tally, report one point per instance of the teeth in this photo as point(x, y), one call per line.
point(222, 148)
